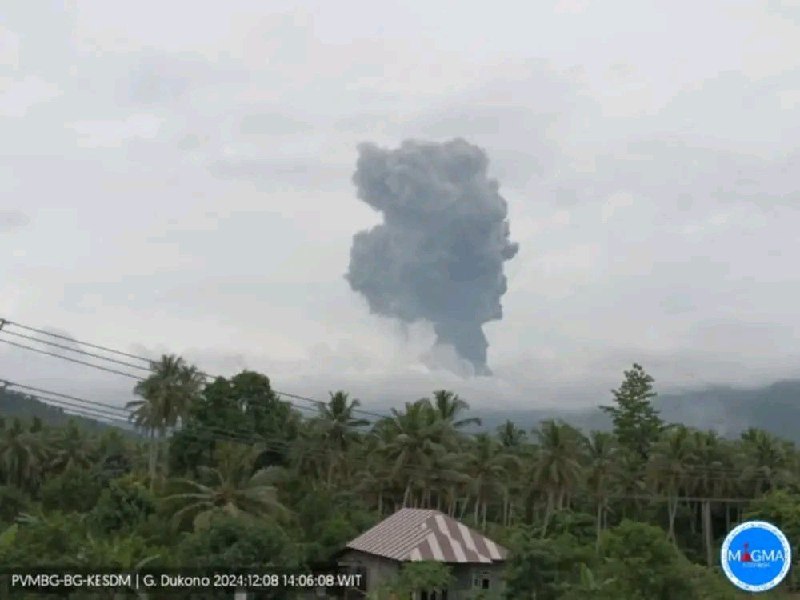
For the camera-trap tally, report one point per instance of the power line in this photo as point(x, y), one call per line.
point(69, 359)
point(69, 339)
point(216, 432)
point(111, 417)
point(9, 323)
point(76, 350)
point(208, 428)
point(72, 408)
point(102, 406)
point(78, 409)
point(65, 396)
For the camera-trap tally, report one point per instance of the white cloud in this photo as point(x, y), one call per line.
point(613, 205)
point(574, 7)
point(207, 206)
point(112, 133)
point(789, 99)
point(18, 96)
point(11, 220)
point(9, 49)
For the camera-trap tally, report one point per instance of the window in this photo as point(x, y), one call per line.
point(482, 580)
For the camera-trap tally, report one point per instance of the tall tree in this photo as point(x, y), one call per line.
point(636, 422)
point(338, 427)
point(244, 406)
point(164, 400)
point(557, 470)
point(414, 441)
point(669, 469)
point(487, 466)
point(602, 471)
point(449, 407)
point(511, 436)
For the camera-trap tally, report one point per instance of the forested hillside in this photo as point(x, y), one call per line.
point(15, 404)
point(229, 475)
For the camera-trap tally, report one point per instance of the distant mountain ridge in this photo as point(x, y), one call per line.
point(727, 410)
point(14, 404)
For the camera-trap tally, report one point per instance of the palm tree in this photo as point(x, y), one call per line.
point(22, 455)
point(601, 454)
point(513, 440)
point(487, 465)
point(449, 406)
point(557, 469)
point(438, 475)
point(708, 480)
point(230, 488)
point(165, 398)
point(307, 455)
point(768, 461)
point(669, 469)
point(339, 428)
point(510, 435)
point(414, 441)
point(374, 476)
point(70, 449)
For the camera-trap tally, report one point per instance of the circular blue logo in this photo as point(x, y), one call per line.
point(756, 556)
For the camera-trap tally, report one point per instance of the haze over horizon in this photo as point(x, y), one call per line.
point(189, 189)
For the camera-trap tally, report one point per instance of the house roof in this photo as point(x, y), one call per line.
point(414, 534)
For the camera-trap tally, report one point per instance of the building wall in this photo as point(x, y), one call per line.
point(466, 576)
point(378, 569)
point(381, 569)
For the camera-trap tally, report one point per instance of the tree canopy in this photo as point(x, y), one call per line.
point(228, 473)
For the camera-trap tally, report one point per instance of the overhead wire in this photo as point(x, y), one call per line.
point(69, 359)
point(67, 338)
point(149, 361)
point(213, 432)
point(76, 350)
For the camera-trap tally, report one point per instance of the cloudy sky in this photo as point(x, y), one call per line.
point(176, 176)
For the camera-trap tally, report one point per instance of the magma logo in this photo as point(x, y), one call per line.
point(756, 556)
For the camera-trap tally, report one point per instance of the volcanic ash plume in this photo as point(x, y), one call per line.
point(439, 254)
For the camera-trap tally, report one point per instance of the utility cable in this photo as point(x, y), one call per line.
point(148, 361)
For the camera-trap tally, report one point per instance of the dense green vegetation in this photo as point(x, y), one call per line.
point(229, 475)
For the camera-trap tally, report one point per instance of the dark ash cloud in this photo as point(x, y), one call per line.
point(439, 254)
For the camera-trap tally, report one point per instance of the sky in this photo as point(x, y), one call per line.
point(177, 177)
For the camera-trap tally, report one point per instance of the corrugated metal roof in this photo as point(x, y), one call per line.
point(413, 534)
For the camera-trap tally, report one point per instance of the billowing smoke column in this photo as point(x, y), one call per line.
point(439, 254)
